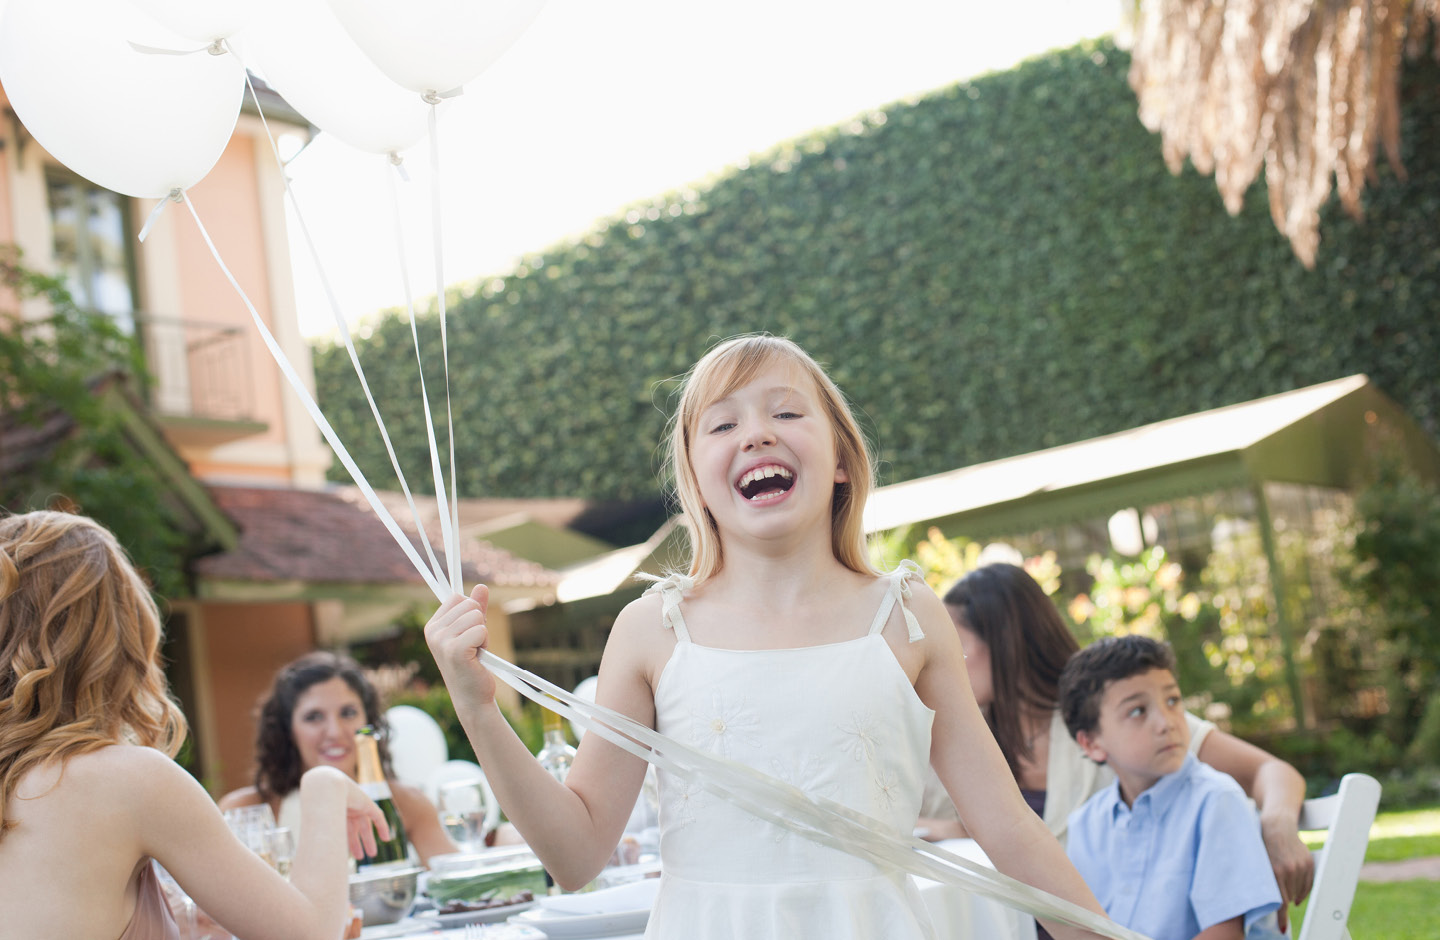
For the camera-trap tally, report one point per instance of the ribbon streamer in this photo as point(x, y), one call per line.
point(449, 521)
point(344, 327)
point(317, 416)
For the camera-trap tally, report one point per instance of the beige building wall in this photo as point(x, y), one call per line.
point(186, 296)
point(244, 645)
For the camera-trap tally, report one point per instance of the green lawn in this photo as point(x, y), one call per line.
point(1400, 910)
point(1397, 835)
point(1395, 910)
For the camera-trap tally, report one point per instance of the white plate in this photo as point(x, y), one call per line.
point(485, 915)
point(557, 926)
point(405, 926)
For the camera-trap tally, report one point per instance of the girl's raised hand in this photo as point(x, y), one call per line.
point(456, 634)
point(362, 820)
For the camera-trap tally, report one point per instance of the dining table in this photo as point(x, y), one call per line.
point(956, 913)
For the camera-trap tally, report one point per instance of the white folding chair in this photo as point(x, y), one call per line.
point(1347, 816)
point(417, 745)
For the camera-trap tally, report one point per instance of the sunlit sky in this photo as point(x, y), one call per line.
point(603, 103)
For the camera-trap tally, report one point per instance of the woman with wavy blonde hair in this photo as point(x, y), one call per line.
point(89, 793)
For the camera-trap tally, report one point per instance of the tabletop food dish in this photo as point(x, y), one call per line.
point(489, 914)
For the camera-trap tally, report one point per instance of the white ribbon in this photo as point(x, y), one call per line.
point(900, 590)
point(175, 195)
point(671, 589)
point(435, 97)
point(343, 326)
point(318, 417)
point(449, 521)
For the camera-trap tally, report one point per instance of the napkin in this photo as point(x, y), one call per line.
point(635, 896)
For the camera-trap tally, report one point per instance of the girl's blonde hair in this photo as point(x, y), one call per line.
point(79, 643)
point(717, 375)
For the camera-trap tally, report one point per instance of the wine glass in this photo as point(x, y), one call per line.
point(464, 806)
point(281, 844)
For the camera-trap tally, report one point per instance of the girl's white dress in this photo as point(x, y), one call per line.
point(840, 721)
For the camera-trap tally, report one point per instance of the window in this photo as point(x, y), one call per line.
point(91, 229)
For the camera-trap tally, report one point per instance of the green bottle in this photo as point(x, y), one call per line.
point(372, 780)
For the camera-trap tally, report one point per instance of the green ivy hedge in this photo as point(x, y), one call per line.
point(1001, 266)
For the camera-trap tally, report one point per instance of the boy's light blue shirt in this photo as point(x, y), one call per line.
point(1186, 856)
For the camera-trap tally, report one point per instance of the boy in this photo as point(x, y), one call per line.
point(1171, 849)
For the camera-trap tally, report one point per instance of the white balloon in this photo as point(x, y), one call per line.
point(205, 20)
point(142, 125)
point(306, 55)
point(585, 690)
point(433, 46)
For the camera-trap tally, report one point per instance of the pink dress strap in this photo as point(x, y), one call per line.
point(152, 919)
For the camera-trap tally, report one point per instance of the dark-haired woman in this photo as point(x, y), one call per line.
point(1015, 645)
point(309, 719)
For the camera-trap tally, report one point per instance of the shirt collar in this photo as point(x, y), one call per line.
point(1159, 798)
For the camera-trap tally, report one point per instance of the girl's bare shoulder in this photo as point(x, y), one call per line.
point(111, 766)
point(638, 638)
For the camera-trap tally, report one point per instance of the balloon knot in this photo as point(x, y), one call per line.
point(217, 47)
point(431, 97)
point(176, 195)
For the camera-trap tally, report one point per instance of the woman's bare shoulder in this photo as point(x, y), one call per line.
point(410, 799)
point(244, 796)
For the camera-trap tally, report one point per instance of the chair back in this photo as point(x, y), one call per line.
point(1346, 816)
point(417, 745)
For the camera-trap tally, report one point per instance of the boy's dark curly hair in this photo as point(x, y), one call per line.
point(1109, 659)
point(277, 760)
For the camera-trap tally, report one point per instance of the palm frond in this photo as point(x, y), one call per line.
point(1308, 89)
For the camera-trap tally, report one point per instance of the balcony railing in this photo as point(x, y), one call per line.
point(200, 370)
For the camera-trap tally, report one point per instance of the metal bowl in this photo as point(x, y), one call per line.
point(384, 893)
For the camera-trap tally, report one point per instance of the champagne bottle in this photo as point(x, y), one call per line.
point(556, 755)
point(372, 780)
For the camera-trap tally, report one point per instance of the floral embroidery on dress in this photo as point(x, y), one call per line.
point(800, 773)
point(684, 799)
point(722, 726)
point(861, 736)
point(887, 788)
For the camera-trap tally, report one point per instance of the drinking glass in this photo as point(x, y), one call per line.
point(464, 805)
point(281, 843)
point(252, 825)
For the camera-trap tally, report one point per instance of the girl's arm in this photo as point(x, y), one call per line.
point(573, 827)
point(177, 824)
point(422, 822)
point(969, 762)
point(1278, 791)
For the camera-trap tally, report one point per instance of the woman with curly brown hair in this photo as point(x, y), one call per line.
point(309, 719)
point(89, 794)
